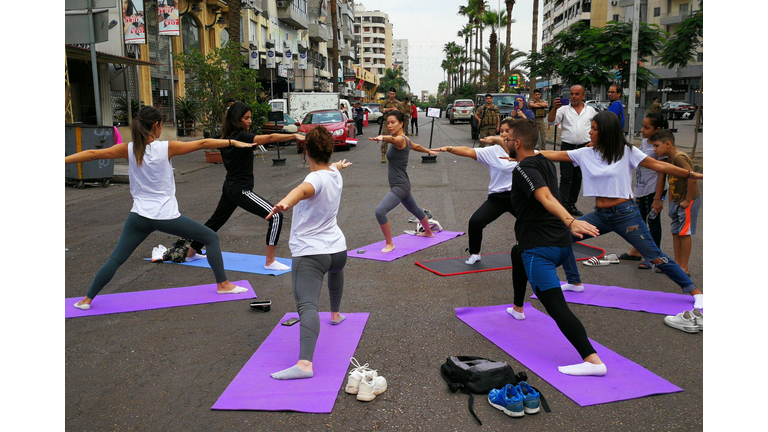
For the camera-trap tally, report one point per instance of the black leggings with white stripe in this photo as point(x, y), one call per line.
point(248, 201)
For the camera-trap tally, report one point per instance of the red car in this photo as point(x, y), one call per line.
point(336, 121)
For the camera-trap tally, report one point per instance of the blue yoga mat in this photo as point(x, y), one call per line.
point(240, 262)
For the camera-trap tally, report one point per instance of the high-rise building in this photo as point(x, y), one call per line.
point(678, 84)
point(400, 56)
point(373, 33)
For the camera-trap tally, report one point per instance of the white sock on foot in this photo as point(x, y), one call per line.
point(584, 369)
point(235, 290)
point(698, 301)
point(293, 372)
point(277, 266)
point(83, 306)
point(516, 314)
point(572, 287)
point(472, 259)
point(195, 257)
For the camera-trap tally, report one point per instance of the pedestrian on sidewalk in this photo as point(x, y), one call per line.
point(539, 107)
point(317, 245)
point(415, 119)
point(153, 189)
point(237, 190)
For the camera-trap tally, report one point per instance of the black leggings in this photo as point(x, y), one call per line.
point(137, 228)
point(248, 201)
point(554, 302)
point(496, 205)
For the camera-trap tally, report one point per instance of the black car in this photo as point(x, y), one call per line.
point(676, 110)
point(448, 108)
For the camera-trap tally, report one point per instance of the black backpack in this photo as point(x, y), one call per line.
point(470, 374)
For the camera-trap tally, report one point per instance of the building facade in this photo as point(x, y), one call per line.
point(373, 33)
point(400, 57)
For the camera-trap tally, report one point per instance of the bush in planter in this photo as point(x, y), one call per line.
point(187, 113)
point(121, 108)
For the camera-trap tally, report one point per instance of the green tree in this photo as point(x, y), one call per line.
point(510, 4)
point(214, 81)
point(544, 64)
point(491, 19)
point(484, 65)
point(394, 78)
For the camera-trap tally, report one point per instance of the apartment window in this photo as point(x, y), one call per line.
point(684, 9)
point(700, 57)
point(656, 11)
point(615, 17)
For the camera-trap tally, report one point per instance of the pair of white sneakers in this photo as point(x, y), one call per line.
point(364, 382)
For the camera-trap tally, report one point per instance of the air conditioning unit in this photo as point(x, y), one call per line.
point(282, 4)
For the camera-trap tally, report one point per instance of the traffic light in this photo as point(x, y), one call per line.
point(513, 81)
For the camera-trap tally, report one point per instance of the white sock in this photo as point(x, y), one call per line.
point(277, 266)
point(698, 301)
point(83, 306)
point(235, 290)
point(341, 318)
point(195, 257)
point(516, 314)
point(584, 369)
point(572, 287)
point(293, 372)
point(472, 259)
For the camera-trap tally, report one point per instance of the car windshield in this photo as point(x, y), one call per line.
point(464, 104)
point(504, 100)
point(289, 119)
point(323, 117)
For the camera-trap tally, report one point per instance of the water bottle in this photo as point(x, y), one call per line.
point(652, 214)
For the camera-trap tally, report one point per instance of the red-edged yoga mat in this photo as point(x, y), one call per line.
point(494, 261)
point(254, 389)
point(155, 299)
point(405, 244)
point(538, 344)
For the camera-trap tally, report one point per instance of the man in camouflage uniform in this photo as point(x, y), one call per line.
point(388, 105)
point(488, 118)
point(407, 111)
point(655, 106)
point(539, 107)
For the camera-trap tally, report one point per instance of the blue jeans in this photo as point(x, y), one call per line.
point(626, 221)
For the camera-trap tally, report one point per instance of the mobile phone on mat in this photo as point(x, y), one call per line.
point(290, 322)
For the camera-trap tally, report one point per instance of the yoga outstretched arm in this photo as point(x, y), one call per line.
point(117, 151)
point(276, 137)
point(556, 156)
point(398, 141)
point(178, 148)
point(577, 227)
point(668, 168)
point(418, 148)
point(300, 192)
point(459, 151)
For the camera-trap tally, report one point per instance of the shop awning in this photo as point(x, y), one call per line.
point(84, 54)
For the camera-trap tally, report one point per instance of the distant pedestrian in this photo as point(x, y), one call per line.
point(388, 106)
point(415, 118)
point(616, 107)
point(317, 244)
point(655, 106)
point(359, 115)
point(153, 190)
point(522, 111)
point(539, 107)
point(575, 120)
point(488, 118)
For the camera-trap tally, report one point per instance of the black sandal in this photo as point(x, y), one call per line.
point(626, 256)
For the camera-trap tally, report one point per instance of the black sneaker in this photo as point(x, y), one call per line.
point(574, 211)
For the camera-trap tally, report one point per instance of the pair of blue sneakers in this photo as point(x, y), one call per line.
point(515, 400)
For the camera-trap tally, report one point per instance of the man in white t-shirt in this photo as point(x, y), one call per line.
point(575, 120)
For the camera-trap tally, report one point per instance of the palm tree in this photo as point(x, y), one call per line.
point(511, 4)
point(534, 36)
point(491, 19)
point(469, 11)
point(479, 12)
point(466, 33)
point(485, 63)
point(394, 78)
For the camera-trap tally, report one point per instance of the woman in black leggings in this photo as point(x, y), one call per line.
point(154, 202)
point(237, 190)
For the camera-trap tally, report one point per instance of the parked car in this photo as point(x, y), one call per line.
point(448, 108)
point(462, 109)
point(504, 101)
point(336, 121)
point(288, 126)
point(597, 105)
point(372, 105)
point(673, 110)
point(374, 115)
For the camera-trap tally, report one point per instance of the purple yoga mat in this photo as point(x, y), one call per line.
point(630, 299)
point(405, 244)
point(155, 299)
point(538, 344)
point(254, 389)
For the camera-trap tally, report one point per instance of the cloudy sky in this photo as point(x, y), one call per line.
point(430, 24)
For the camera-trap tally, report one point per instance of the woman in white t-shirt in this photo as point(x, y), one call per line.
point(154, 198)
point(317, 245)
point(607, 166)
point(499, 199)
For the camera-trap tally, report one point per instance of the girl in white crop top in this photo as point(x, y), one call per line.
point(154, 197)
point(607, 166)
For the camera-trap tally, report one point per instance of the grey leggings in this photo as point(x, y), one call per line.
point(392, 199)
point(307, 280)
point(137, 228)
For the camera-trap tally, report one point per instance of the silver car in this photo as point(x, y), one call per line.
point(462, 110)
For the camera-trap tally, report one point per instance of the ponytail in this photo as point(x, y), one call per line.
point(141, 130)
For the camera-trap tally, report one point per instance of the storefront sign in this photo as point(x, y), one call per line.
point(168, 18)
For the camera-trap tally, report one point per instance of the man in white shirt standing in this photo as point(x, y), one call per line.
point(575, 121)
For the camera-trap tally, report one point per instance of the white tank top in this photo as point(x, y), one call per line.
point(152, 184)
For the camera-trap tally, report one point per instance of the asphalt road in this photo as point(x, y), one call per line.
point(164, 369)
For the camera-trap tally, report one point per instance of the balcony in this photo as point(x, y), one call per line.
point(674, 18)
point(293, 14)
point(347, 53)
point(318, 32)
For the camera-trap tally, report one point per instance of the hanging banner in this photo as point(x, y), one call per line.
point(288, 59)
point(302, 56)
point(168, 18)
point(271, 54)
point(253, 59)
point(133, 22)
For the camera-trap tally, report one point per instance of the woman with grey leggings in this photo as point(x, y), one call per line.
point(154, 198)
point(317, 245)
point(400, 184)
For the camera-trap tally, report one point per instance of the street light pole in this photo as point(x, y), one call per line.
point(94, 65)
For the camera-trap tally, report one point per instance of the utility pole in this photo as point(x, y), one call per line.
point(633, 70)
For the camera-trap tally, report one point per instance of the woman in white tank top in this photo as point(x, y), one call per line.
point(154, 197)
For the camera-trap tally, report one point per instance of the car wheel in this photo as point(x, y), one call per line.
point(452, 121)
